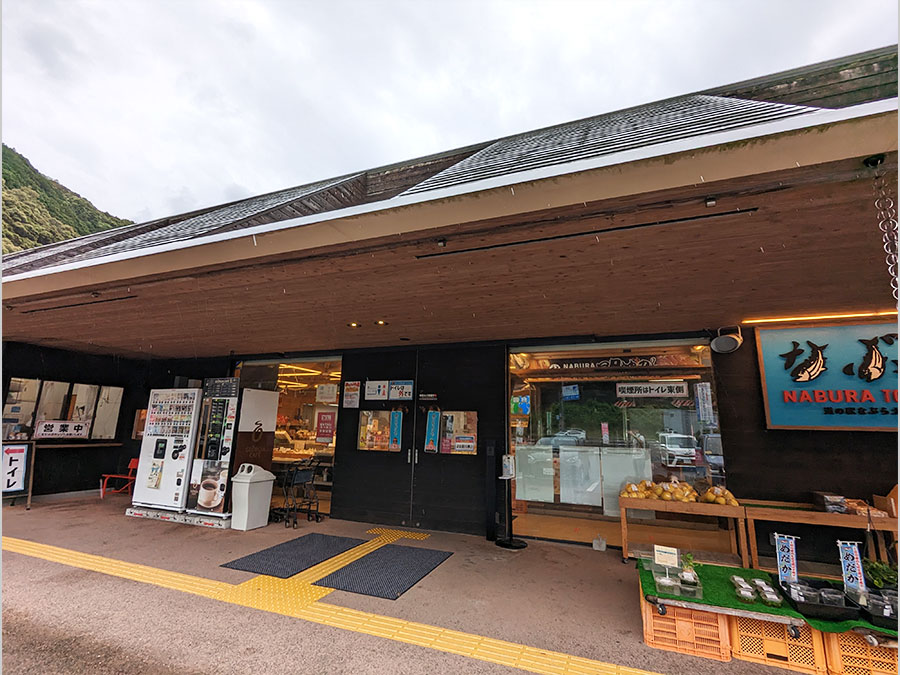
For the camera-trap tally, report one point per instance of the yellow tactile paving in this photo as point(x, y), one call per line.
point(297, 597)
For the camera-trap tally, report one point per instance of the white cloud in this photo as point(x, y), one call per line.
point(152, 107)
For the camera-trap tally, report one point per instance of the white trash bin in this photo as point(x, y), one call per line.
point(251, 494)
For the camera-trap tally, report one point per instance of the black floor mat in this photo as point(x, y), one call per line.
point(387, 572)
point(287, 559)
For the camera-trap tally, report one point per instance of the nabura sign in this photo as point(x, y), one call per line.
point(830, 377)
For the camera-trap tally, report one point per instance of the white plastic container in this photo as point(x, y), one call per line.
point(251, 494)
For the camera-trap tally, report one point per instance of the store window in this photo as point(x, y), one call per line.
point(585, 421)
point(306, 424)
point(50, 409)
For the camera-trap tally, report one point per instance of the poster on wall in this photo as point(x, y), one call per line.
point(829, 377)
point(396, 429)
point(704, 404)
point(325, 422)
point(326, 393)
point(376, 390)
point(351, 394)
point(62, 429)
point(401, 390)
point(433, 431)
point(459, 432)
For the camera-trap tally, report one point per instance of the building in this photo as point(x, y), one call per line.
point(555, 292)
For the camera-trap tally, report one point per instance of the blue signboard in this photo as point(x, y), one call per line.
point(851, 566)
point(570, 392)
point(786, 555)
point(396, 429)
point(433, 431)
point(830, 377)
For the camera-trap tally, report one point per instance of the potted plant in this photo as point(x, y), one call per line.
point(688, 574)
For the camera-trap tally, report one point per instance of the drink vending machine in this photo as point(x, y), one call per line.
point(167, 449)
point(212, 452)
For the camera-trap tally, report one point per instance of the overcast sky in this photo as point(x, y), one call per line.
point(150, 108)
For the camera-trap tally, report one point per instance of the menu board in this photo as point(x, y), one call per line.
point(170, 413)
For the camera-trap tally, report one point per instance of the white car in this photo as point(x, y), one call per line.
point(677, 449)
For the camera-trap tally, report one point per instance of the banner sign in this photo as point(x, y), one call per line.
point(616, 362)
point(401, 390)
point(433, 431)
point(830, 377)
point(604, 432)
point(786, 552)
point(15, 463)
point(396, 429)
point(325, 422)
point(851, 566)
point(651, 389)
point(703, 394)
point(351, 394)
point(62, 429)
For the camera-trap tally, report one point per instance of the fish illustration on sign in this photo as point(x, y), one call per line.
point(873, 364)
point(791, 356)
point(812, 366)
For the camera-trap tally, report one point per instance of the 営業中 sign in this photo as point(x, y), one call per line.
point(62, 429)
point(830, 377)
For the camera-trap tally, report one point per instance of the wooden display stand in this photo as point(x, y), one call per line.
point(790, 512)
point(734, 514)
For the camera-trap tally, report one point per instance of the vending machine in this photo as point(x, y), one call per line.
point(213, 451)
point(167, 449)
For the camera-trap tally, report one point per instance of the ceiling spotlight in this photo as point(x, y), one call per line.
point(442, 242)
point(381, 322)
point(353, 324)
point(710, 202)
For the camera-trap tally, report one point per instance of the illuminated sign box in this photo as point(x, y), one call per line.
point(830, 377)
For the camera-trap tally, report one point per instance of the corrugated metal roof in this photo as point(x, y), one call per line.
point(670, 120)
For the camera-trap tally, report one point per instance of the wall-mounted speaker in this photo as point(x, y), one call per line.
point(728, 339)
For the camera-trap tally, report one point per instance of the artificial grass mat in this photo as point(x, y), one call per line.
point(718, 591)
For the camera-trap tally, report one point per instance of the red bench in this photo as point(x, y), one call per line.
point(128, 478)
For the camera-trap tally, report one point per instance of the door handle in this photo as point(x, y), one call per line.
point(417, 456)
point(409, 456)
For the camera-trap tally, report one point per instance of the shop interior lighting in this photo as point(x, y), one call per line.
point(819, 317)
point(305, 372)
point(353, 324)
point(381, 322)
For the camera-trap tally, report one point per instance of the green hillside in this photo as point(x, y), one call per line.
point(37, 210)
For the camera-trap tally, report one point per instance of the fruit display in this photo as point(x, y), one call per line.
point(718, 495)
point(672, 491)
point(675, 491)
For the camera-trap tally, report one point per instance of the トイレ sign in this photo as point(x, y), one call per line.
point(15, 465)
point(830, 377)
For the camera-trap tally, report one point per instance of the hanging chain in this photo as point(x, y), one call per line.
point(887, 223)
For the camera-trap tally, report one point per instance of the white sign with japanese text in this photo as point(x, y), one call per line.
point(15, 459)
point(62, 429)
point(651, 389)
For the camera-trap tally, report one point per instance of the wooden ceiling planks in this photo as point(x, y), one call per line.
point(811, 247)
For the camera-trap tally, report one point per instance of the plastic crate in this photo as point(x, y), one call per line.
point(771, 643)
point(686, 631)
point(850, 654)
